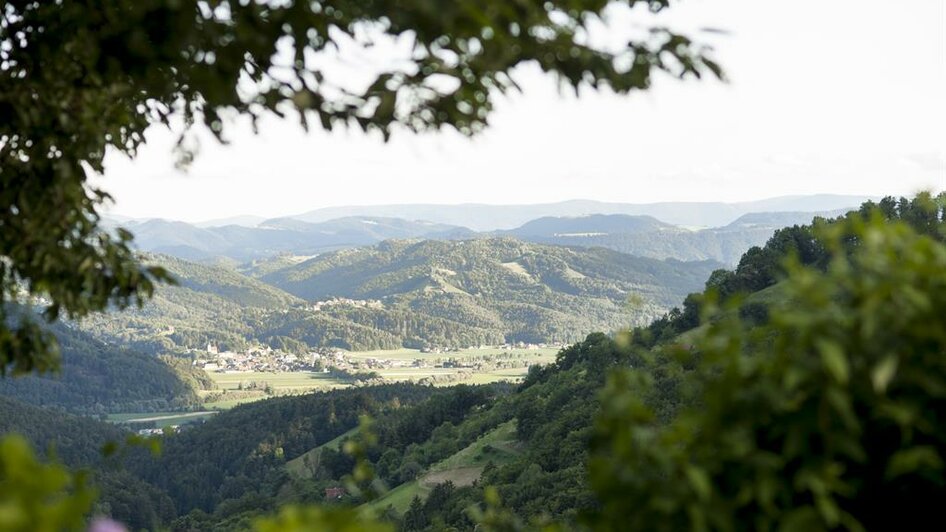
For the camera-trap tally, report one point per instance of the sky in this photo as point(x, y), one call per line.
point(827, 96)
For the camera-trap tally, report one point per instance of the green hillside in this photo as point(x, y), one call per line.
point(306, 464)
point(403, 294)
point(98, 378)
point(497, 446)
point(488, 290)
point(842, 343)
point(246, 449)
point(78, 442)
point(210, 304)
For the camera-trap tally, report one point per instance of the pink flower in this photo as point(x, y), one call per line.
point(103, 524)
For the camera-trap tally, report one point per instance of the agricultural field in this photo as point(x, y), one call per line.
point(279, 382)
point(396, 365)
point(540, 355)
point(160, 419)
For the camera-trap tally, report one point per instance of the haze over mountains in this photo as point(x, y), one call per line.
point(380, 282)
point(683, 231)
point(480, 217)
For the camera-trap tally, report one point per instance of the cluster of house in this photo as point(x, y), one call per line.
point(158, 431)
point(265, 358)
point(345, 302)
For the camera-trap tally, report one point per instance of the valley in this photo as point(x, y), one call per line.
point(451, 307)
point(417, 266)
point(232, 387)
point(449, 365)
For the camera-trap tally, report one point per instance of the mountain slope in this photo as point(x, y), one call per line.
point(97, 378)
point(648, 237)
point(210, 305)
point(483, 217)
point(524, 291)
point(592, 224)
point(280, 235)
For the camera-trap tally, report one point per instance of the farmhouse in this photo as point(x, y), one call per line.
point(332, 494)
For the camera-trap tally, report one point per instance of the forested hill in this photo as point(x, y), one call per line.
point(80, 442)
point(98, 378)
point(510, 289)
point(559, 443)
point(280, 235)
point(647, 237)
point(492, 269)
point(210, 304)
point(220, 283)
point(428, 293)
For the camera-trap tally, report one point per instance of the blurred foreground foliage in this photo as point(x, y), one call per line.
point(38, 497)
point(826, 416)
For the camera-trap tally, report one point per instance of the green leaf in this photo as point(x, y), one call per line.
point(834, 359)
point(913, 460)
point(883, 373)
point(699, 481)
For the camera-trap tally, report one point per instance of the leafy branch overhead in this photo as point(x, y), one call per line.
point(80, 78)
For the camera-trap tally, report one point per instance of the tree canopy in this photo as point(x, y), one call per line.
point(81, 78)
point(822, 417)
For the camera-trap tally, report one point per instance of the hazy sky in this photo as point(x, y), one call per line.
point(841, 96)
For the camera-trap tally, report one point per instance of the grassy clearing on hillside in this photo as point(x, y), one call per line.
point(400, 497)
point(160, 419)
point(462, 468)
point(227, 404)
point(288, 381)
point(493, 446)
point(460, 477)
point(305, 464)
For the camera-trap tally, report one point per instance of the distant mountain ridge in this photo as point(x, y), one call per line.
point(488, 217)
point(485, 217)
point(590, 224)
point(278, 235)
point(647, 237)
point(663, 230)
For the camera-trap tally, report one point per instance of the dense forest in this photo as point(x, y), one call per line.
point(98, 378)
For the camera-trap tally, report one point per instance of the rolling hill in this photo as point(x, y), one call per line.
point(403, 293)
point(483, 217)
point(211, 304)
point(683, 231)
point(648, 237)
point(98, 378)
point(280, 235)
point(496, 289)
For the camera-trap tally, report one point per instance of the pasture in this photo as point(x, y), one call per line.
point(396, 366)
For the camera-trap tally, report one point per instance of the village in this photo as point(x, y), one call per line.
point(263, 358)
